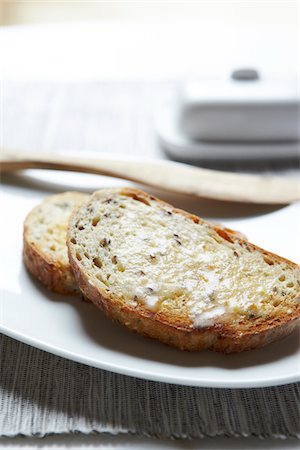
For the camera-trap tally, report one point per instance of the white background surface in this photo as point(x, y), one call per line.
point(264, 37)
point(93, 52)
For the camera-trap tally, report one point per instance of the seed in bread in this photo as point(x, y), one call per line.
point(45, 250)
point(172, 276)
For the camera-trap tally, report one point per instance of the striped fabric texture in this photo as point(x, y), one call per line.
point(43, 394)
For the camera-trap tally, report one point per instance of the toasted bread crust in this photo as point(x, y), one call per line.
point(219, 337)
point(51, 271)
point(47, 271)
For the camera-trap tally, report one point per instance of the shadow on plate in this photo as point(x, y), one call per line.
point(113, 337)
point(63, 181)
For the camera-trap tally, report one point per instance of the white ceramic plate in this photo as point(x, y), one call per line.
point(73, 329)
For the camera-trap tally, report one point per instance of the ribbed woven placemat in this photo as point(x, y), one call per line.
point(43, 394)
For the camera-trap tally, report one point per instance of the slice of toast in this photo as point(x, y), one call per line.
point(172, 276)
point(44, 242)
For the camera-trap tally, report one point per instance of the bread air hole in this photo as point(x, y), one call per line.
point(73, 241)
point(269, 261)
point(290, 284)
point(104, 242)
point(281, 278)
point(276, 303)
point(97, 262)
point(78, 256)
point(95, 221)
point(101, 279)
point(137, 198)
point(142, 200)
point(53, 248)
point(223, 234)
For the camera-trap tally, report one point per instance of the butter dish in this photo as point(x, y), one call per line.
point(243, 117)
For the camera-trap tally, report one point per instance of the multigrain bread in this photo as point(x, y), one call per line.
point(172, 276)
point(44, 241)
point(45, 247)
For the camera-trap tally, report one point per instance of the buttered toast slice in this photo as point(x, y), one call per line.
point(45, 251)
point(172, 276)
